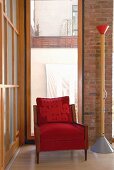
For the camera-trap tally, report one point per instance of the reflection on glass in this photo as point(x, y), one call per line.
point(7, 8)
point(16, 109)
point(11, 116)
point(5, 52)
point(5, 119)
point(15, 59)
point(9, 55)
point(14, 12)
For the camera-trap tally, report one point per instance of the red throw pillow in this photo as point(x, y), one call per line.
point(54, 110)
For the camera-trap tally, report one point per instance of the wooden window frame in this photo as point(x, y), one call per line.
point(28, 67)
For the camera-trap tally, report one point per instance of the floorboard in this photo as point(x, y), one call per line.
point(62, 160)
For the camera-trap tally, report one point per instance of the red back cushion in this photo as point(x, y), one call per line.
point(54, 110)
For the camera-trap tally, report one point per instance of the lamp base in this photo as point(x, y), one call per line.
point(102, 146)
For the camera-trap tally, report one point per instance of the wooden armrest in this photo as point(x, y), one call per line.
point(84, 125)
point(72, 106)
point(85, 133)
point(36, 130)
point(37, 136)
point(35, 114)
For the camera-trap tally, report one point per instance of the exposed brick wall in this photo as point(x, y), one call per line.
point(52, 42)
point(97, 12)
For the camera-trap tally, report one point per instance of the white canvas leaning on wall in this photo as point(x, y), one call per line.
point(62, 81)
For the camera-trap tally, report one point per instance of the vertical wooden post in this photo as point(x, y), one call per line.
point(1, 90)
point(1, 131)
point(1, 36)
point(21, 73)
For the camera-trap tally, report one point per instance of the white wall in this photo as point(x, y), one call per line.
point(40, 57)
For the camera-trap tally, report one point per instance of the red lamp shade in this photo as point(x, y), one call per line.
point(102, 28)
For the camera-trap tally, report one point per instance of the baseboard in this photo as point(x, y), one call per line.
point(13, 159)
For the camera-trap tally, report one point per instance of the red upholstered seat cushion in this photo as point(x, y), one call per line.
point(53, 110)
point(61, 131)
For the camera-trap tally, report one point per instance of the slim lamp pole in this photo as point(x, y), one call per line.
point(102, 145)
point(102, 30)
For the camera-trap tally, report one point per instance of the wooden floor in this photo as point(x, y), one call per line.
point(61, 160)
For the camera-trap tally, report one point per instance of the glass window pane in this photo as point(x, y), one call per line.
point(15, 59)
point(4, 5)
point(58, 33)
point(9, 55)
point(16, 109)
point(61, 28)
point(75, 20)
point(46, 14)
point(5, 51)
point(7, 8)
point(5, 118)
point(11, 116)
point(14, 3)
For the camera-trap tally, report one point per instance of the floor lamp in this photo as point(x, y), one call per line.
point(102, 145)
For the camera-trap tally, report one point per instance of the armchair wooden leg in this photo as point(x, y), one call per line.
point(37, 157)
point(85, 154)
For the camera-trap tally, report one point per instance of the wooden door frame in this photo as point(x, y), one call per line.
point(4, 159)
point(28, 73)
point(80, 60)
point(21, 71)
point(28, 67)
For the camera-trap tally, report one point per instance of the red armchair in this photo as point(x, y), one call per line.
point(55, 128)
